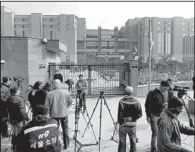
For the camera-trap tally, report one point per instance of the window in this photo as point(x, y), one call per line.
point(23, 26)
point(169, 22)
point(51, 19)
point(15, 33)
point(51, 26)
point(23, 33)
point(14, 25)
point(158, 22)
point(51, 34)
point(183, 28)
point(192, 29)
point(159, 28)
point(169, 28)
point(183, 23)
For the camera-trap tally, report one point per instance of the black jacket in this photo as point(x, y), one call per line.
point(39, 135)
point(40, 96)
point(16, 109)
point(5, 94)
point(129, 110)
point(154, 103)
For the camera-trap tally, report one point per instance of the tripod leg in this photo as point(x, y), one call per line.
point(91, 116)
point(109, 110)
point(85, 119)
point(91, 127)
point(100, 123)
point(114, 131)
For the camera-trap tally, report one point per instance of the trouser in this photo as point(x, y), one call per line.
point(154, 128)
point(123, 132)
point(16, 128)
point(82, 99)
point(64, 125)
point(4, 126)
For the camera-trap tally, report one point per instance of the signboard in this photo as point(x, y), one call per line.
point(42, 66)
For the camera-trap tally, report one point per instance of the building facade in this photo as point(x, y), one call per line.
point(174, 36)
point(54, 27)
point(29, 58)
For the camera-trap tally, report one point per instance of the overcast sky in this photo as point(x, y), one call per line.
point(105, 14)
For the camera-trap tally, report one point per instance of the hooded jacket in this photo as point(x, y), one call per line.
point(129, 110)
point(39, 135)
point(58, 101)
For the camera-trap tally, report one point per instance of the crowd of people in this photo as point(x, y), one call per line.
point(50, 102)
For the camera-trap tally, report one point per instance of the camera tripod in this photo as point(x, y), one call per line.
point(77, 114)
point(105, 103)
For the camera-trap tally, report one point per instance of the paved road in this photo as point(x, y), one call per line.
point(107, 145)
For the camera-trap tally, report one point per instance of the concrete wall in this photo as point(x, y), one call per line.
point(36, 56)
point(15, 53)
point(8, 24)
point(81, 27)
point(36, 25)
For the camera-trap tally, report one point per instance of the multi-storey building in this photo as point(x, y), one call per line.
point(56, 27)
point(104, 45)
point(173, 36)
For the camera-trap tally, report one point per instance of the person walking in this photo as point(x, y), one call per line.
point(37, 86)
point(170, 128)
point(129, 111)
point(58, 101)
point(5, 94)
point(17, 111)
point(155, 102)
point(40, 134)
point(41, 94)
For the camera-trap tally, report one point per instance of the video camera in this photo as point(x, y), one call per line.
point(181, 91)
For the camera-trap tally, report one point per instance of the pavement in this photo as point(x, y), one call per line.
point(107, 128)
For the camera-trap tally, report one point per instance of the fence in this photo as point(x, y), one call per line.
point(107, 78)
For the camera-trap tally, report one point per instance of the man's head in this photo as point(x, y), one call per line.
point(7, 80)
point(164, 86)
point(38, 85)
point(40, 110)
point(48, 86)
point(15, 91)
point(175, 105)
point(129, 90)
point(80, 77)
point(169, 81)
point(58, 76)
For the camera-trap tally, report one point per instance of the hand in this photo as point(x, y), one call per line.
point(148, 120)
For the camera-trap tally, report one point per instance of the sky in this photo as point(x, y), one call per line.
point(105, 14)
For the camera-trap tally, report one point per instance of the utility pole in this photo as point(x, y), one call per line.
point(150, 54)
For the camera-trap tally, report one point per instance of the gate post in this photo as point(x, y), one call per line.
point(134, 75)
point(89, 80)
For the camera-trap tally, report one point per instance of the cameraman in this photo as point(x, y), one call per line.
point(129, 111)
point(81, 87)
point(169, 139)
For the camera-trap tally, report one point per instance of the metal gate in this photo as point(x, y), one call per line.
point(107, 78)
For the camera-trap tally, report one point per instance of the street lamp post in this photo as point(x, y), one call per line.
point(151, 43)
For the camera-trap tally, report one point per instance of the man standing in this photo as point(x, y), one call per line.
point(129, 111)
point(5, 94)
point(58, 101)
point(154, 105)
point(169, 139)
point(81, 87)
point(39, 135)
